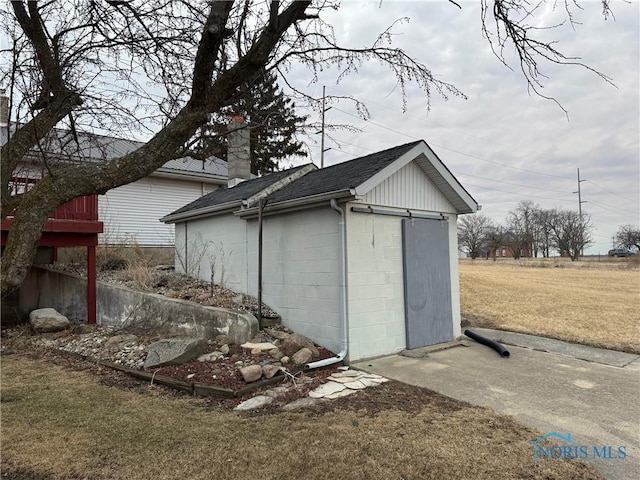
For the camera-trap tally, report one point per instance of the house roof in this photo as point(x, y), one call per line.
point(348, 179)
point(234, 195)
point(342, 176)
point(62, 145)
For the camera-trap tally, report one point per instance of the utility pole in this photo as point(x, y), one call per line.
point(580, 201)
point(322, 149)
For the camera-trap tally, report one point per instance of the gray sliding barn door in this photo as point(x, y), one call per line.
point(427, 282)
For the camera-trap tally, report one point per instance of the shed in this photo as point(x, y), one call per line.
point(361, 256)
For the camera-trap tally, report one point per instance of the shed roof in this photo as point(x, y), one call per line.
point(342, 176)
point(227, 195)
point(351, 178)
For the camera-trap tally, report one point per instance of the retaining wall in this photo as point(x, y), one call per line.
point(121, 306)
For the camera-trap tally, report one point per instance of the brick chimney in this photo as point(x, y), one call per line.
point(238, 152)
point(4, 109)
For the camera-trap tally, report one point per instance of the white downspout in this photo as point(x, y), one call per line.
point(343, 294)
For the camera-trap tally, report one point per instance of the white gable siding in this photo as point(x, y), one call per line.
point(132, 212)
point(409, 187)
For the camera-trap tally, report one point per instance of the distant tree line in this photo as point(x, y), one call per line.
point(527, 231)
point(628, 236)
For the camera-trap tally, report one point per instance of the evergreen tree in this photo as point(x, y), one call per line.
point(270, 115)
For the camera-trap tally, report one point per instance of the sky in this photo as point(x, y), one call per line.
point(503, 143)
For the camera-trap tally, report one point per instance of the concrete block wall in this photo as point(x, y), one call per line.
point(375, 285)
point(301, 271)
point(219, 242)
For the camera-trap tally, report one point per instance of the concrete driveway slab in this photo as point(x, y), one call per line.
point(598, 404)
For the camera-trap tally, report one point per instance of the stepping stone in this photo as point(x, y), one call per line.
point(347, 373)
point(355, 385)
point(327, 389)
point(369, 382)
point(341, 380)
point(343, 393)
point(255, 402)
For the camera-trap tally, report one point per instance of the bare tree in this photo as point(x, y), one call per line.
point(521, 226)
point(497, 234)
point(571, 232)
point(472, 233)
point(628, 236)
point(164, 67)
point(542, 232)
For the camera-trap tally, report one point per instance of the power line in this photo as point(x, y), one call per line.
point(454, 150)
point(607, 190)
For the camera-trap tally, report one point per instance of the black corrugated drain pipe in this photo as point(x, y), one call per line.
point(498, 347)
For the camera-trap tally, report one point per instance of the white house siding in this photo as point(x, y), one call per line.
point(375, 285)
point(132, 212)
point(409, 187)
point(219, 242)
point(301, 271)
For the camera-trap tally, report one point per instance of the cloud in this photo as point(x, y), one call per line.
point(537, 150)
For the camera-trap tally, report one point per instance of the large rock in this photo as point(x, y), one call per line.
point(252, 373)
point(302, 356)
point(174, 351)
point(295, 342)
point(44, 320)
point(277, 334)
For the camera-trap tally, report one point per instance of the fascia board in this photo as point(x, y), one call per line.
point(298, 203)
point(201, 212)
point(200, 177)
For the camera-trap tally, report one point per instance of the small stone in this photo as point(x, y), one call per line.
point(269, 371)
point(284, 360)
point(224, 349)
point(302, 356)
point(256, 402)
point(276, 353)
point(191, 375)
point(210, 357)
point(258, 346)
point(252, 373)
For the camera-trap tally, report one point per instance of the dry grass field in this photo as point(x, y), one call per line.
point(594, 302)
point(62, 424)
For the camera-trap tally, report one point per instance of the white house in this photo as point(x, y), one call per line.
point(131, 212)
point(360, 256)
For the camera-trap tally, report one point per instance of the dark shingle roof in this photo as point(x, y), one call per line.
point(235, 194)
point(342, 176)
